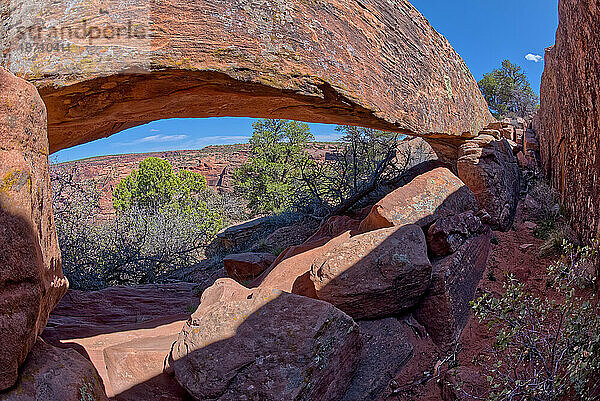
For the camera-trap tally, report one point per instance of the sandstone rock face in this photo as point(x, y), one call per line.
point(265, 344)
point(247, 266)
point(137, 362)
point(445, 309)
point(235, 236)
point(570, 114)
point(447, 234)
point(489, 168)
point(371, 63)
point(31, 279)
point(427, 197)
point(127, 333)
point(291, 270)
point(386, 350)
point(285, 237)
point(376, 274)
point(52, 373)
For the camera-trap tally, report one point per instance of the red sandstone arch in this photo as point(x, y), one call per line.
point(348, 62)
point(375, 63)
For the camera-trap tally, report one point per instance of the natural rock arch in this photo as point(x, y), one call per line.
point(374, 63)
point(368, 62)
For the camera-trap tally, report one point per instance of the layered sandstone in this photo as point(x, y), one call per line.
point(31, 279)
point(445, 308)
point(363, 63)
point(265, 344)
point(488, 166)
point(570, 113)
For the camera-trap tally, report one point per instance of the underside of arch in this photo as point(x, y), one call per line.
point(370, 62)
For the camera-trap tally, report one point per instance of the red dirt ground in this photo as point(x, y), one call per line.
point(506, 256)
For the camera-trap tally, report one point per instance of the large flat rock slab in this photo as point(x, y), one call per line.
point(127, 334)
point(373, 63)
point(434, 194)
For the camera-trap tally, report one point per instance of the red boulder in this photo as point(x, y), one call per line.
point(376, 274)
point(246, 266)
point(429, 196)
point(265, 344)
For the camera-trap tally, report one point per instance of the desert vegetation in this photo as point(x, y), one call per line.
point(281, 176)
point(542, 202)
point(165, 219)
point(508, 92)
point(547, 345)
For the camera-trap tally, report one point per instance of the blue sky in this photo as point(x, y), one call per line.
point(483, 32)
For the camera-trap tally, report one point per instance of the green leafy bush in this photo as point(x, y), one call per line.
point(547, 345)
point(164, 222)
point(155, 185)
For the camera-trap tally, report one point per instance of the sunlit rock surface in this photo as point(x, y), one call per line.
point(569, 116)
point(371, 63)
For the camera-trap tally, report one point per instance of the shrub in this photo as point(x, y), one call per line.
point(136, 247)
point(508, 92)
point(556, 238)
point(155, 185)
point(546, 199)
point(365, 160)
point(164, 221)
point(547, 346)
point(552, 226)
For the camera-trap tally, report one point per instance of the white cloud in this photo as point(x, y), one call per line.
point(330, 137)
point(217, 140)
point(161, 138)
point(536, 58)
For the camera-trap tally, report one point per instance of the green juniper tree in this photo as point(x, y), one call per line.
point(508, 92)
point(269, 178)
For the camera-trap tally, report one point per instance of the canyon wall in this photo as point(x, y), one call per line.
point(216, 163)
point(569, 117)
